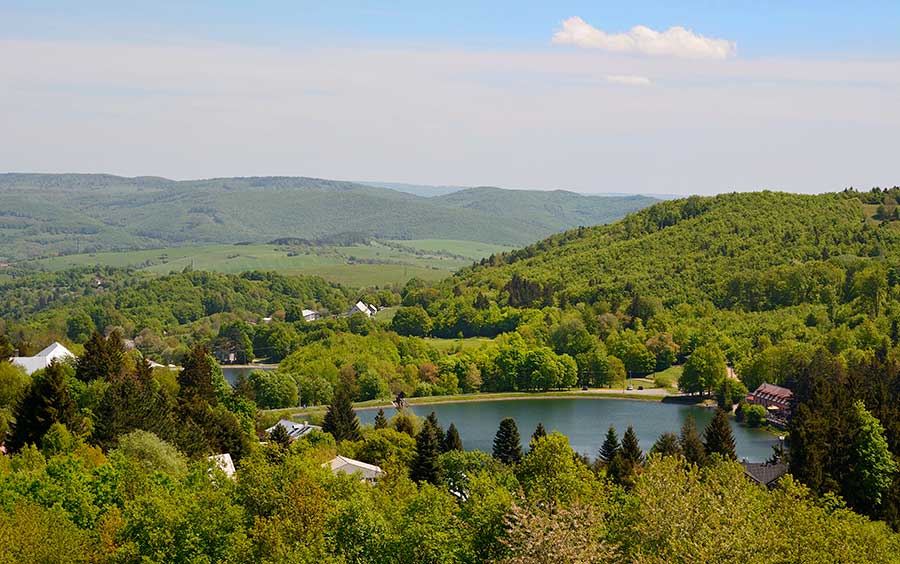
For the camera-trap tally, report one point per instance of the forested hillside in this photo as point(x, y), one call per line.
point(45, 214)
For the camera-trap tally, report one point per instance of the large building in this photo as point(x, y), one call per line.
point(294, 430)
point(42, 360)
point(772, 396)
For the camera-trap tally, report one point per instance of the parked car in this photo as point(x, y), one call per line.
point(630, 387)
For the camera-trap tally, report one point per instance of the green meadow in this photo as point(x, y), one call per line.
point(373, 264)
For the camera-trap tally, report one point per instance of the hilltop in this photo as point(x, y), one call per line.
point(47, 214)
point(693, 250)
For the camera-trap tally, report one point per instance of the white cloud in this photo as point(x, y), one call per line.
point(674, 42)
point(628, 79)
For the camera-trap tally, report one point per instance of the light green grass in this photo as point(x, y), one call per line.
point(447, 345)
point(471, 249)
point(356, 266)
point(667, 378)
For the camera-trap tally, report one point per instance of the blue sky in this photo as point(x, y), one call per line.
point(799, 95)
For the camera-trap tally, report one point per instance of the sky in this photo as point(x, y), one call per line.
point(690, 97)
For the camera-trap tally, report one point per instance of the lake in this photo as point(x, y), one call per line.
point(231, 373)
point(584, 421)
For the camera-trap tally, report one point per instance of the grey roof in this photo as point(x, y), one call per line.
point(294, 430)
point(764, 474)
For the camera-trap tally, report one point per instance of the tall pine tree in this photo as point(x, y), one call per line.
point(718, 437)
point(539, 433)
point(452, 440)
point(103, 358)
point(610, 446)
point(691, 445)
point(433, 419)
point(507, 444)
point(380, 420)
point(46, 402)
point(631, 449)
point(425, 467)
point(340, 420)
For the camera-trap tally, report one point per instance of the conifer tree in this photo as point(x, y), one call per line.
point(433, 419)
point(631, 449)
point(279, 436)
point(507, 445)
point(404, 423)
point(610, 446)
point(539, 432)
point(452, 440)
point(195, 380)
point(691, 446)
point(718, 437)
point(103, 358)
point(340, 420)
point(380, 420)
point(666, 445)
point(425, 467)
point(46, 402)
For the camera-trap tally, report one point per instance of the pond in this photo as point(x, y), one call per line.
point(584, 421)
point(231, 373)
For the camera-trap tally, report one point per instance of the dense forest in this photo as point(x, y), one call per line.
point(49, 214)
point(802, 291)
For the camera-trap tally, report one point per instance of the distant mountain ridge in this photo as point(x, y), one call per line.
point(42, 214)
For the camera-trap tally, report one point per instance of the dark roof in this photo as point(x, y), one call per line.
point(764, 474)
point(771, 391)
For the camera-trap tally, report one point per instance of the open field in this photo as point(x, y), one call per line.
point(374, 264)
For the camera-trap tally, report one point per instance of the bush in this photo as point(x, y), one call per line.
point(153, 453)
point(755, 415)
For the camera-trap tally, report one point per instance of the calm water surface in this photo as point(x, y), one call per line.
point(231, 373)
point(584, 421)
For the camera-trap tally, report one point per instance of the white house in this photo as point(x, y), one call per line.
point(295, 430)
point(224, 463)
point(344, 465)
point(311, 315)
point(42, 360)
point(363, 307)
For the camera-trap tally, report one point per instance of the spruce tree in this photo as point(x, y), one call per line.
point(425, 467)
point(433, 419)
point(610, 446)
point(452, 440)
point(380, 420)
point(340, 420)
point(279, 437)
point(666, 445)
point(718, 437)
point(195, 381)
point(539, 433)
point(691, 446)
point(507, 445)
point(103, 358)
point(631, 449)
point(46, 402)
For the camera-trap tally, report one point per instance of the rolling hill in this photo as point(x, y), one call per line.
point(48, 214)
point(720, 249)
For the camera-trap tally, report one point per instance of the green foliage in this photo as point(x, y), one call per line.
point(704, 371)
point(340, 420)
point(46, 402)
point(872, 465)
point(610, 446)
point(666, 445)
point(507, 445)
point(152, 453)
point(425, 468)
point(755, 415)
point(717, 436)
point(273, 389)
point(412, 321)
point(452, 441)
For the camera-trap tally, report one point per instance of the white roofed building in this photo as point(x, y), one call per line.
point(344, 465)
point(224, 463)
point(363, 307)
point(311, 315)
point(42, 360)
